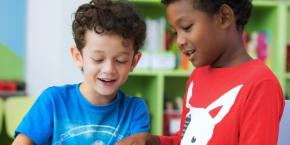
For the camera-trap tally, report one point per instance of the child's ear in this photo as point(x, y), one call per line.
point(135, 61)
point(226, 16)
point(77, 56)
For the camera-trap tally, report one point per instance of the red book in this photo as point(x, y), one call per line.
point(8, 86)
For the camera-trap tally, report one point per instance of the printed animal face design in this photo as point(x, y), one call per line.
point(93, 134)
point(98, 142)
point(199, 124)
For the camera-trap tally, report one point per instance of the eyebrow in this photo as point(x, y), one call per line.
point(125, 52)
point(122, 52)
point(180, 19)
point(98, 51)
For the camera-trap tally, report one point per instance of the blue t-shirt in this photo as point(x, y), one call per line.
point(62, 116)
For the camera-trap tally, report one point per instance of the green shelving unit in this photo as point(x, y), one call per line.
point(270, 16)
point(265, 18)
point(146, 1)
point(154, 85)
point(149, 8)
point(287, 76)
point(148, 87)
point(288, 21)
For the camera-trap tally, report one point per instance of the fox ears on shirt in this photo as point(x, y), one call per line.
point(224, 103)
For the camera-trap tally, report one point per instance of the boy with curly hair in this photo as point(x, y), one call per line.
point(108, 36)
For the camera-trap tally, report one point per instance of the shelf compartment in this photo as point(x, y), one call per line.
point(150, 88)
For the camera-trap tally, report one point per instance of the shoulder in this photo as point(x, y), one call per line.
point(61, 89)
point(57, 92)
point(132, 100)
point(260, 73)
point(262, 83)
point(257, 76)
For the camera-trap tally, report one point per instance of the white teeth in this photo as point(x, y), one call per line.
point(106, 80)
point(189, 52)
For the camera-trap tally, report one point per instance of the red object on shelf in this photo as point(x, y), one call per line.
point(8, 86)
point(262, 46)
point(171, 122)
point(288, 58)
point(167, 40)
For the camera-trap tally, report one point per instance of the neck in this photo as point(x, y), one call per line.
point(93, 97)
point(235, 54)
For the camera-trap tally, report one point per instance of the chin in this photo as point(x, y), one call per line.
point(107, 92)
point(198, 64)
point(195, 63)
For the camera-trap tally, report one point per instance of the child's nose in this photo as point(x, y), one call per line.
point(109, 67)
point(180, 40)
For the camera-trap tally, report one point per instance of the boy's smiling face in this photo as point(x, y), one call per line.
point(198, 34)
point(106, 60)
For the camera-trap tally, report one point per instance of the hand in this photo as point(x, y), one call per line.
point(140, 139)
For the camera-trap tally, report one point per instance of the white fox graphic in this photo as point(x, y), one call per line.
point(199, 124)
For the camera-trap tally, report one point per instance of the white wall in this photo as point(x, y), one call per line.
point(49, 38)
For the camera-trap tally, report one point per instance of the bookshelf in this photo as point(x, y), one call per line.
point(152, 86)
point(287, 76)
point(270, 16)
point(155, 85)
point(288, 21)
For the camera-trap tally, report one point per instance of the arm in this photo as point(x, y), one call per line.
point(148, 139)
point(261, 114)
point(140, 139)
point(22, 139)
point(169, 140)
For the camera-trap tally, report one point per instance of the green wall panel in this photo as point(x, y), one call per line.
point(11, 65)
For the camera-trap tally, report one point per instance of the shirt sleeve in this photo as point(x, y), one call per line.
point(170, 140)
point(141, 119)
point(261, 114)
point(37, 123)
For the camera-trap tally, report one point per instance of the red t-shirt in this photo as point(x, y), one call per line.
point(239, 105)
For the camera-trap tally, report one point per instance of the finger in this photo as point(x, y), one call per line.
point(124, 142)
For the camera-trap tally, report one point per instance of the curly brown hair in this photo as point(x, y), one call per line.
point(112, 17)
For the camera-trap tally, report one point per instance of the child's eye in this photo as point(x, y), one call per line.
point(187, 28)
point(97, 60)
point(121, 61)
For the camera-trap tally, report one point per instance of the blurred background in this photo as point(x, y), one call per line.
point(35, 38)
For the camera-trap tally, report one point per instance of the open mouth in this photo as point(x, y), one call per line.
point(189, 53)
point(106, 80)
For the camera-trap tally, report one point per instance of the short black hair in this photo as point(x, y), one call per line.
point(242, 8)
point(112, 17)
